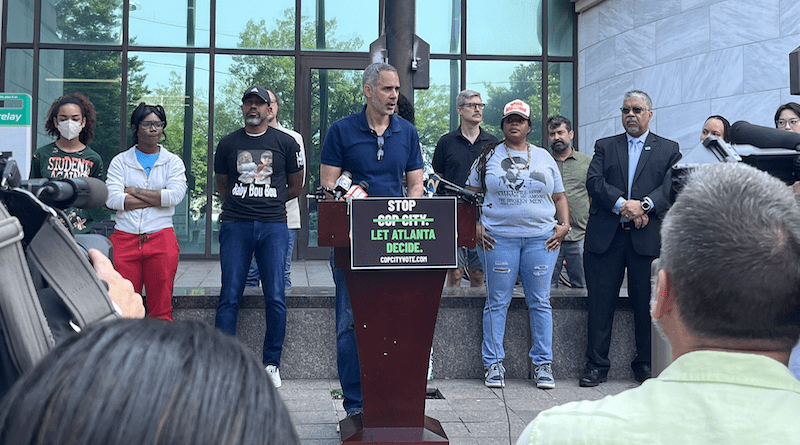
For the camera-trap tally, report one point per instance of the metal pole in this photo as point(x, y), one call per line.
point(400, 26)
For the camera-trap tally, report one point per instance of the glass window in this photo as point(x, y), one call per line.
point(560, 97)
point(256, 24)
point(338, 25)
point(77, 21)
point(178, 82)
point(431, 16)
point(160, 23)
point(19, 66)
point(20, 29)
point(504, 27)
point(560, 15)
point(435, 108)
point(502, 82)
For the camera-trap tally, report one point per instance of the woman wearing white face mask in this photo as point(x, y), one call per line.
point(71, 120)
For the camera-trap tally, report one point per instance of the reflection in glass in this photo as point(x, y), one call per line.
point(504, 27)
point(19, 66)
point(337, 25)
point(256, 24)
point(20, 29)
point(160, 23)
point(502, 82)
point(432, 15)
point(560, 15)
point(334, 95)
point(77, 21)
point(435, 108)
point(178, 83)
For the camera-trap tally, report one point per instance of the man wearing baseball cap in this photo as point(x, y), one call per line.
point(257, 169)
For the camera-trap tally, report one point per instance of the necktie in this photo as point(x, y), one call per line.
point(634, 152)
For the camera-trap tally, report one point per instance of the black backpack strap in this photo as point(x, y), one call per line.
point(66, 268)
point(27, 336)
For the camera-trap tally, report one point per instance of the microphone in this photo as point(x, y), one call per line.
point(742, 132)
point(357, 190)
point(467, 195)
point(431, 185)
point(342, 184)
point(83, 192)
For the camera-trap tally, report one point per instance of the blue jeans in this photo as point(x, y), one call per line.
point(346, 345)
point(529, 258)
point(253, 276)
point(572, 251)
point(238, 242)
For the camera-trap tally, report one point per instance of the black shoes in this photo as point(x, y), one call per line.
point(642, 372)
point(592, 377)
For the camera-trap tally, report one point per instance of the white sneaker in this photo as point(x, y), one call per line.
point(274, 374)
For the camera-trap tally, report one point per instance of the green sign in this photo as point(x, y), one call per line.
point(15, 128)
point(404, 233)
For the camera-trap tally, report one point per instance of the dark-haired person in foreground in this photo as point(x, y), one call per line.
point(146, 382)
point(145, 183)
point(728, 301)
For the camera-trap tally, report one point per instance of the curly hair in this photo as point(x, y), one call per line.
point(87, 110)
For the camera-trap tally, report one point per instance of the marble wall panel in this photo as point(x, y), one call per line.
point(766, 64)
point(683, 35)
point(600, 61)
point(599, 130)
point(739, 22)
point(587, 104)
point(615, 18)
point(692, 4)
point(684, 123)
point(756, 108)
point(635, 49)
point(588, 28)
point(610, 95)
point(790, 17)
point(648, 11)
point(701, 78)
point(662, 82)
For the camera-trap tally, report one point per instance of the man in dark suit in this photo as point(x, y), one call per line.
point(629, 182)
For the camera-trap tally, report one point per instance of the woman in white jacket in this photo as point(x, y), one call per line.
point(145, 183)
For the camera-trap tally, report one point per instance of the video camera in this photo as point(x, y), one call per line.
point(769, 149)
point(32, 201)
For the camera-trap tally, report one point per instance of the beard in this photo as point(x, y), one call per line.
point(559, 146)
point(253, 121)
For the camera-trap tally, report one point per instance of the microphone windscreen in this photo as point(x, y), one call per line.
point(92, 193)
point(742, 132)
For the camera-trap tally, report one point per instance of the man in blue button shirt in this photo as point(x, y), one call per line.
point(377, 146)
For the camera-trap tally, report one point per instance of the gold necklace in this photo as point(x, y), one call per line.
point(515, 161)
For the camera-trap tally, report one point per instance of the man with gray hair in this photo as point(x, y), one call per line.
point(375, 146)
point(728, 301)
point(455, 152)
point(629, 182)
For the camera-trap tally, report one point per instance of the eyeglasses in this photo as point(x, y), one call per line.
point(474, 106)
point(781, 123)
point(380, 148)
point(158, 125)
point(636, 110)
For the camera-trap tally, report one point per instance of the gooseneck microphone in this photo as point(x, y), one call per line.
point(342, 185)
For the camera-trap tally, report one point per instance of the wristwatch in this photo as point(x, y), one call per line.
point(647, 204)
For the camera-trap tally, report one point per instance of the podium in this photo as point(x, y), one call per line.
point(394, 311)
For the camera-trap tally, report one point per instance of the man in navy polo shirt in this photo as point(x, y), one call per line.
point(375, 146)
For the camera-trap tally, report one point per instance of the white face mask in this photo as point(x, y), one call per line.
point(69, 129)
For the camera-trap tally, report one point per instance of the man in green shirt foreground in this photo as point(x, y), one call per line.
point(728, 301)
point(573, 166)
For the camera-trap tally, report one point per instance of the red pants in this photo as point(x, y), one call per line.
point(150, 260)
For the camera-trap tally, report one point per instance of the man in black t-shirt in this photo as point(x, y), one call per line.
point(257, 169)
point(455, 152)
